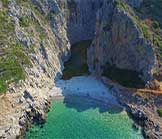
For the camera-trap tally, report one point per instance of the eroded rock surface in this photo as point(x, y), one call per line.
point(119, 42)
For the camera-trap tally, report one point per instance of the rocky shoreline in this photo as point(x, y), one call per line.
point(142, 112)
point(36, 108)
point(24, 106)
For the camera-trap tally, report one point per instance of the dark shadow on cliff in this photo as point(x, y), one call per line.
point(77, 63)
point(81, 21)
point(125, 77)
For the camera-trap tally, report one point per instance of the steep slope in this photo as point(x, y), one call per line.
point(32, 55)
point(125, 41)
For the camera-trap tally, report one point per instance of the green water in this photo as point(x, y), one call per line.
point(84, 120)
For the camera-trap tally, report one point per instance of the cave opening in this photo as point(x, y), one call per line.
point(81, 30)
point(77, 63)
point(125, 77)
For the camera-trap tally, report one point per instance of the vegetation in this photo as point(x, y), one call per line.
point(151, 9)
point(32, 21)
point(152, 32)
point(6, 28)
point(12, 65)
point(159, 111)
point(13, 55)
point(141, 25)
point(25, 21)
point(77, 64)
point(5, 3)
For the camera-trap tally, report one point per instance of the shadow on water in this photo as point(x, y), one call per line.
point(82, 104)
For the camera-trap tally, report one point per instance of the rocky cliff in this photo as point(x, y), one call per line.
point(80, 18)
point(120, 41)
point(38, 48)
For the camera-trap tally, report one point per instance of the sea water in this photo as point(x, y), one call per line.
point(82, 119)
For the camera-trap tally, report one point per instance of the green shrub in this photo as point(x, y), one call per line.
point(3, 86)
point(156, 25)
point(159, 111)
point(25, 21)
point(5, 3)
point(12, 66)
point(6, 27)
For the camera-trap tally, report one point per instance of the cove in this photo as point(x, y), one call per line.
point(64, 122)
point(86, 110)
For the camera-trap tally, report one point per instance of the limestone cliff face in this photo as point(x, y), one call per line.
point(81, 18)
point(78, 17)
point(28, 100)
point(119, 42)
point(134, 3)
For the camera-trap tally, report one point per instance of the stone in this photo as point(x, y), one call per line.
point(119, 42)
point(1, 4)
point(134, 3)
point(27, 95)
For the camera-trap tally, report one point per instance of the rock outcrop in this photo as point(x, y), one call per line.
point(81, 18)
point(134, 3)
point(27, 101)
point(120, 42)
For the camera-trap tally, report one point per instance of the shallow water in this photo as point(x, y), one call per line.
point(81, 119)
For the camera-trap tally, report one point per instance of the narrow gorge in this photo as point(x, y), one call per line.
point(81, 56)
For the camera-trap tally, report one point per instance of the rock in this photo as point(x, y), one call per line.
point(155, 85)
point(1, 4)
point(27, 95)
point(157, 128)
point(134, 3)
point(119, 42)
point(135, 126)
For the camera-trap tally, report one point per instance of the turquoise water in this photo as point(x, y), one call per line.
point(84, 120)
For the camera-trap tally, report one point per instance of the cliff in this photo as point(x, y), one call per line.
point(32, 55)
point(122, 40)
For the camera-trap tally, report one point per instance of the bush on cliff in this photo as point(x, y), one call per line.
point(159, 111)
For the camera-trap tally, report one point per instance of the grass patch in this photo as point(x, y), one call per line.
point(6, 28)
point(5, 3)
point(14, 56)
point(77, 64)
point(25, 21)
point(12, 66)
point(159, 111)
point(126, 78)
